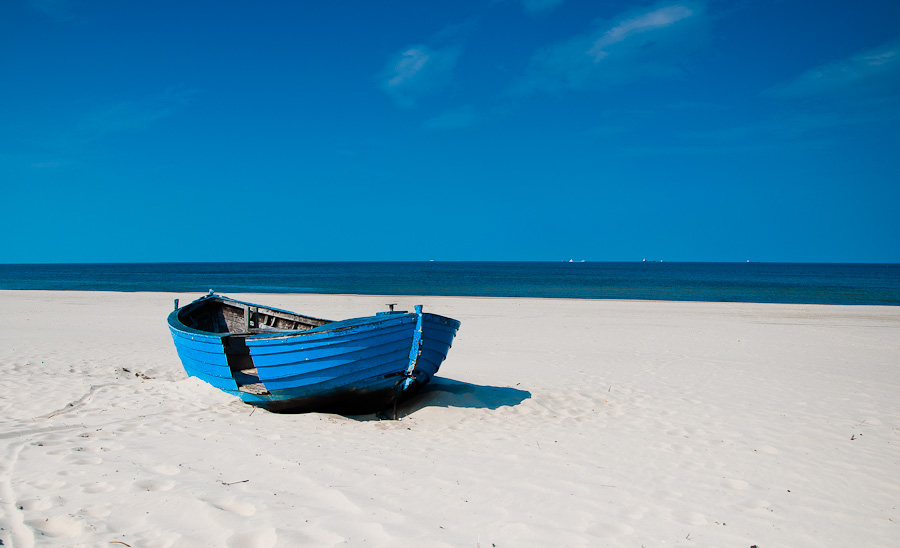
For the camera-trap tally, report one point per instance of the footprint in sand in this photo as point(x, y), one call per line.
point(689, 518)
point(689, 465)
point(96, 511)
point(234, 506)
point(681, 449)
point(56, 526)
point(97, 487)
point(264, 538)
point(735, 483)
point(635, 512)
point(155, 485)
point(608, 530)
point(46, 442)
point(34, 504)
point(88, 461)
point(165, 469)
point(71, 473)
point(154, 539)
point(753, 504)
point(47, 484)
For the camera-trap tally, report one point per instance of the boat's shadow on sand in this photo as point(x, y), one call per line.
point(444, 392)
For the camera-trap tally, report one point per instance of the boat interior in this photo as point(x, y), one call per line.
point(216, 315)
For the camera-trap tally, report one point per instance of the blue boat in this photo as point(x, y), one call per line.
point(282, 361)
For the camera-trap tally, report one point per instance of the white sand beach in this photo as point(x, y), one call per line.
point(552, 423)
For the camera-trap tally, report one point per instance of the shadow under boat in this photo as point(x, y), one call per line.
point(443, 392)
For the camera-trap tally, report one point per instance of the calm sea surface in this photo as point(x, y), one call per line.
point(731, 282)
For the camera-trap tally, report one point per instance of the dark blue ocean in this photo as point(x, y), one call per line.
point(728, 282)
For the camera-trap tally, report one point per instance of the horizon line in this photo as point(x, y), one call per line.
point(553, 261)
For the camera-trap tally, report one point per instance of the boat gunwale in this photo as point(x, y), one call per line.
point(174, 319)
point(327, 328)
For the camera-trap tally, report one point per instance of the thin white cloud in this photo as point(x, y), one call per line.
point(132, 115)
point(794, 128)
point(862, 90)
point(81, 134)
point(410, 63)
point(875, 72)
point(656, 19)
point(417, 71)
point(459, 118)
point(648, 43)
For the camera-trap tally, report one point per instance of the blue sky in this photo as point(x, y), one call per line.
point(468, 130)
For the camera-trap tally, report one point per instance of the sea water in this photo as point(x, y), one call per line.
point(730, 282)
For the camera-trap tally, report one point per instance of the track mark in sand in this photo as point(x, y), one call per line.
point(40, 430)
point(76, 404)
point(263, 538)
point(154, 485)
point(14, 519)
point(234, 506)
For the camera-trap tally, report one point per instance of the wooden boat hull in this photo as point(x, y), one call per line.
point(361, 365)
